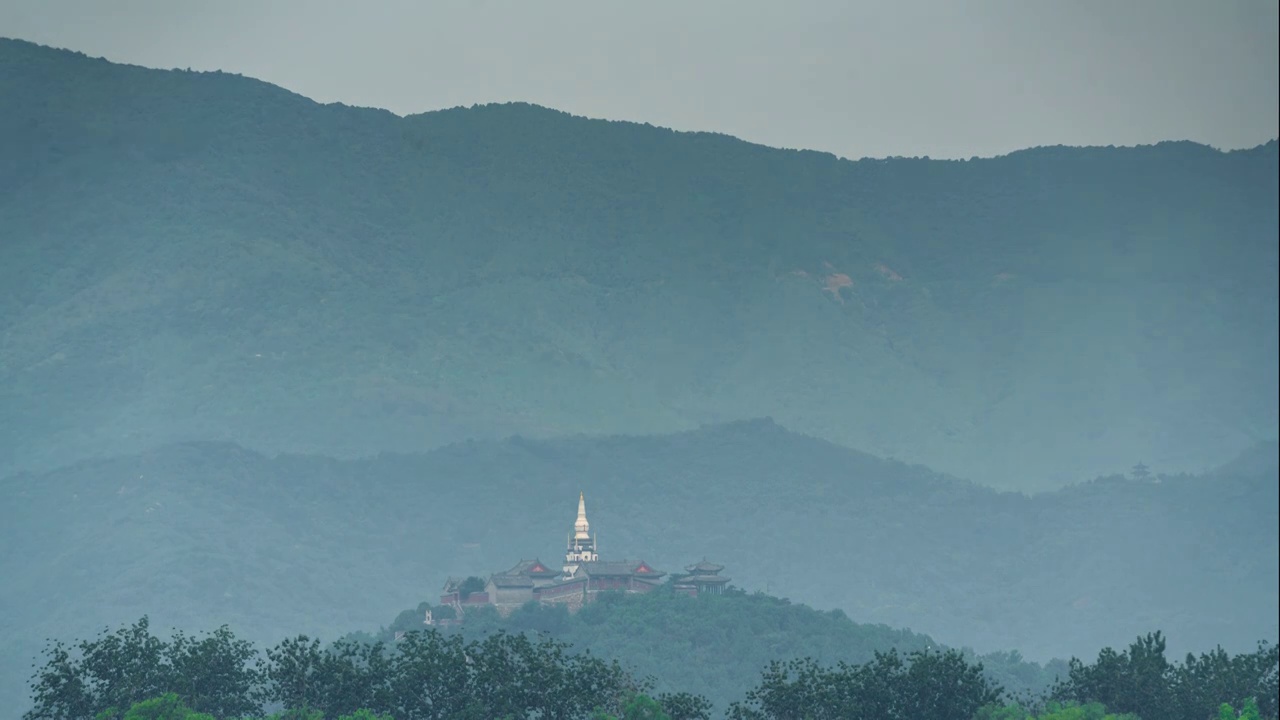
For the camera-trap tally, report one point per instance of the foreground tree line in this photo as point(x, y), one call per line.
point(1136, 683)
point(130, 674)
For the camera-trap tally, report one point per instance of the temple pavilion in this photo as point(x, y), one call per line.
point(581, 577)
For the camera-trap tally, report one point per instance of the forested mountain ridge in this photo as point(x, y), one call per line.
point(199, 534)
point(201, 256)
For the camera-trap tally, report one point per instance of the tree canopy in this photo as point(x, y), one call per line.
point(130, 674)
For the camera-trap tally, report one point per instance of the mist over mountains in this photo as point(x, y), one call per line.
point(287, 366)
point(201, 256)
point(201, 534)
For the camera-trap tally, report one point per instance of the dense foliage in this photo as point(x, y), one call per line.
point(425, 675)
point(924, 686)
point(213, 674)
point(205, 256)
point(1052, 711)
point(1141, 680)
point(717, 646)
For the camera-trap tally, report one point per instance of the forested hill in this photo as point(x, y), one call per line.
point(200, 534)
point(717, 646)
point(202, 256)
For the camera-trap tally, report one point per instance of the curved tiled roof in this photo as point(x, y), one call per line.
point(532, 568)
point(701, 580)
point(620, 568)
point(505, 580)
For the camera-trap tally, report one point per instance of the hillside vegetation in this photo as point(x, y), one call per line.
point(131, 674)
point(200, 534)
point(717, 646)
point(201, 256)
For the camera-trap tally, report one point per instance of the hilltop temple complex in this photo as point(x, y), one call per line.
point(579, 580)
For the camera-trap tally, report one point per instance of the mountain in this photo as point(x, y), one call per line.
point(699, 645)
point(206, 257)
point(200, 534)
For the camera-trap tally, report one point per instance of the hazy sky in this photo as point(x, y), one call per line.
point(943, 78)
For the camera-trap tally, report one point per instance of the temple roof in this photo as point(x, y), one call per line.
point(700, 580)
point(505, 580)
point(704, 567)
point(620, 568)
point(532, 568)
point(562, 582)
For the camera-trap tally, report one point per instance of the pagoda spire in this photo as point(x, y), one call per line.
point(582, 544)
point(582, 528)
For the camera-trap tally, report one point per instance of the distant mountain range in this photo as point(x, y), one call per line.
point(205, 257)
point(201, 534)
